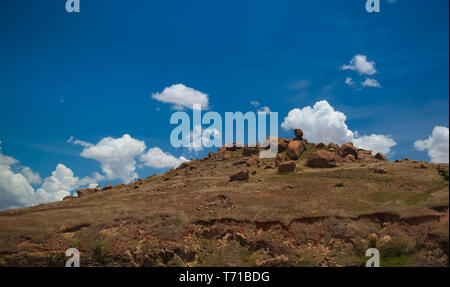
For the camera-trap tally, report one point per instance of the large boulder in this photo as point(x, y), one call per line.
point(347, 149)
point(332, 145)
point(380, 156)
point(240, 176)
point(287, 166)
point(295, 150)
point(282, 142)
point(85, 191)
point(320, 146)
point(324, 159)
point(298, 134)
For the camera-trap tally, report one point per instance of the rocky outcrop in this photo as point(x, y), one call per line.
point(332, 145)
point(282, 142)
point(86, 191)
point(380, 156)
point(320, 146)
point(295, 150)
point(324, 159)
point(249, 151)
point(347, 149)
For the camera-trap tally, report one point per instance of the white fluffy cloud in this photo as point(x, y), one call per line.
point(157, 158)
point(58, 185)
point(349, 81)
point(16, 190)
point(377, 143)
point(437, 145)
point(360, 64)
point(322, 123)
point(182, 97)
point(31, 176)
point(116, 156)
point(371, 83)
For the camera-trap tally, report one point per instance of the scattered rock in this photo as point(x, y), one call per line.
point(107, 187)
point(320, 145)
point(85, 191)
point(379, 170)
point(211, 155)
point(240, 176)
point(277, 261)
point(234, 146)
point(295, 150)
point(324, 159)
point(287, 166)
point(347, 149)
point(227, 155)
point(249, 151)
point(380, 156)
point(239, 162)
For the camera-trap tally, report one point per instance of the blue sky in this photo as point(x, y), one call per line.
point(91, 75)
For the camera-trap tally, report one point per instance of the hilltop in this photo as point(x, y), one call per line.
point(312, 205)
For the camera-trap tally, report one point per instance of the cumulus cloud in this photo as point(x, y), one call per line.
point(157, 158)
point(322, 123)
point(360, 64)
point(437, 145)
point(31, 176)
point(16, 190)
point(182, 97)
point(371, 83)
point(116, 156)
point(58, 185)
point(376, 143)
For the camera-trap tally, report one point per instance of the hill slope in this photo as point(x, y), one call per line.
point(196, 216)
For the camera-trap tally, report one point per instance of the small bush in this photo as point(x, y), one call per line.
point(339, 185)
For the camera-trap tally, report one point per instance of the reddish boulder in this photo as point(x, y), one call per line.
point(282, 143)
point(240, 176)
point(350, 157)
point(380, 156)
point(287, 166)
point(347, 149)
point(320, 145)
point(379, 170)
point(85, 191)
point(324, 159)
point(249, 151)
point(298, 134)
point(295, 150)
point(333, 145)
